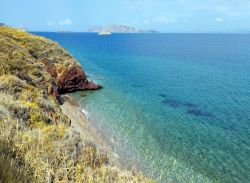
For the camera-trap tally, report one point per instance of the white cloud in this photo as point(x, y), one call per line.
point(60, 22)
point(162, 19)
point(158, 20)
point(65, 22)
point(146, 21)
point(50, 23)
point(219, 19)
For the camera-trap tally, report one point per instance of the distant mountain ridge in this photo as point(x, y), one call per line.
point(2, 24)
point(119, 29)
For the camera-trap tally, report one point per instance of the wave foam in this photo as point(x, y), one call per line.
point(85, 113)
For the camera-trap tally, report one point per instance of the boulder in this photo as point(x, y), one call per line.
point(74, 79)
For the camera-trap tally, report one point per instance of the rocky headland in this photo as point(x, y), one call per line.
point(42, 140)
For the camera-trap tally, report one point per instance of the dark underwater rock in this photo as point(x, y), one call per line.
point(163, 95)
point(137, 85)
point(172, 102)
point(177, 103)
point(200, 113)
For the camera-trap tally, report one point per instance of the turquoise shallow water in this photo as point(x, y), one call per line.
point(175, 105)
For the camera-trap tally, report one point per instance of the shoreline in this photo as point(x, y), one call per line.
point(80, 123)
point(101, 138)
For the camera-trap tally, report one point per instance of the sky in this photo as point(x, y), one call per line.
point(161, 15)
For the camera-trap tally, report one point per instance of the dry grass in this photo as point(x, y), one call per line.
point(32, 106)
point(33, 47)
point(36, 142)
point(54, 153)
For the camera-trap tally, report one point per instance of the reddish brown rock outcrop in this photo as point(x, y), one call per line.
point(41, 63)
point(71, 79)
point(51, 68)
point(74, 79)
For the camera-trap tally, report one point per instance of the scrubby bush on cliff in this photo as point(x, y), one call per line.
point(29, 46)
point(37, 143)
point(54, 153)
point(32, 107)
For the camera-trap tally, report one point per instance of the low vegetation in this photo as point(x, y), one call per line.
point(37, 143)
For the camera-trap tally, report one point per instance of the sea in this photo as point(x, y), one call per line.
point(174, 106)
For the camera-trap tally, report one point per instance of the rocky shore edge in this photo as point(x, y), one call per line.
point(38, 142)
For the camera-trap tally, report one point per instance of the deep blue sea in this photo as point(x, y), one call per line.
point(177, 106)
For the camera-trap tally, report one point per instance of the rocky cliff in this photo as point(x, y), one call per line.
point(37, 142)
point(66, 74)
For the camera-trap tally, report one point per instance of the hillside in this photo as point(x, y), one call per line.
point(37, 141)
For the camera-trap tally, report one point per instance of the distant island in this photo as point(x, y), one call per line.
point(119, 29)
point(65, 31)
